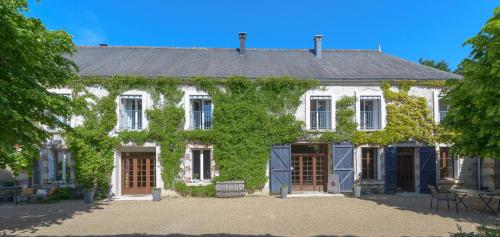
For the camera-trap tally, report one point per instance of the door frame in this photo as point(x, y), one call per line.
point(414, 158)
point(151, 156)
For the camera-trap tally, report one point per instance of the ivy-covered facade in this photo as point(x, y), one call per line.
point(178, 119)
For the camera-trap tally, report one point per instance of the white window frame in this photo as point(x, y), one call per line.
point(363, 98)
point(202, 98)
point(440, 117)
point(330, 122)
point(202, 165)
point(140, 123)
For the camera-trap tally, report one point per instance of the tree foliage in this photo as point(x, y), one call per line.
point(441, 65)
point(31, 60)
point(474, 102)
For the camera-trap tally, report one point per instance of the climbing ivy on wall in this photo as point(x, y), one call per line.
point(408, 119)
point(249, 117)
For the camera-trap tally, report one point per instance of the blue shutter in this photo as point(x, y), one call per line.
point(343, 165)
point(280, 171)
point(427, 168)
point(390, 154)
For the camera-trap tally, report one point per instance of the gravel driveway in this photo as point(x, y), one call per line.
point(377, 215)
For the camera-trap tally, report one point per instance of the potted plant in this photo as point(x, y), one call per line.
point(88, 195)
point(284, 190)
point(156, 194)
point(356, 189)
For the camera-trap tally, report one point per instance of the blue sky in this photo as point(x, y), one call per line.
point(408, 29)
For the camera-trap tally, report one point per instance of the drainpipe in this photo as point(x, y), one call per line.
point(479, 180)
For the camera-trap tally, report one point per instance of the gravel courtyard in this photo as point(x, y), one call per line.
point(377, 215)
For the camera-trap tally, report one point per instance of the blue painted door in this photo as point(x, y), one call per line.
point(390, 155)
point(343, 165)
point(280, 171)
point(427, 168)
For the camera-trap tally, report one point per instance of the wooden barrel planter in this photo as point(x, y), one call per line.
point(229, 189)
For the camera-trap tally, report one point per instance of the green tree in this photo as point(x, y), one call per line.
point(32, 59)
point(474, 112)
point(442, 65)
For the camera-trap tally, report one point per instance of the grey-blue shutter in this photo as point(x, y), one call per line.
point(390, 154)
point(427, 168)
point(343, 165)
point(280, 171)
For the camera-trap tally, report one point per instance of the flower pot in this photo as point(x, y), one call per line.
point(156, 194)
point(88, 196)
point(357, 191)
point(284, 191)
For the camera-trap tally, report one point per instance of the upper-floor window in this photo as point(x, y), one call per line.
point(443, 109)
point(130, 112)
point(321, 107)
point(62, 119)
point(370, 112)
point(201, 112)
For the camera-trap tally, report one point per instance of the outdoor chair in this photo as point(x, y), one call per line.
point(443, 195)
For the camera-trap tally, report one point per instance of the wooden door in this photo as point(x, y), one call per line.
point(308, 172)
point(406, 169)
point(138, 172)
point(279, 168)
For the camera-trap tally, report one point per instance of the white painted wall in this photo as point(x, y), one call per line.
point(302, 113)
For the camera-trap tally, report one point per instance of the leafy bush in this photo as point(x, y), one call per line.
point(64, 193)
point(482, 231)
point(9, 182)
point(195, 191)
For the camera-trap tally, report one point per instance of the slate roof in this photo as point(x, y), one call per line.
point(224, 62)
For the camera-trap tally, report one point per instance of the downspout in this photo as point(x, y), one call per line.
point(479, 181)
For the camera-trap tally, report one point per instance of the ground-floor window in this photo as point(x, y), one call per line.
point(62, 164)
point(446, 163)
point(201, 164)
point(368, 162)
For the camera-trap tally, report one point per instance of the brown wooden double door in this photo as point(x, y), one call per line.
point(138, 172)
point(308, 172)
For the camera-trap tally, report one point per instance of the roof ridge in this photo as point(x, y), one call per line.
point(216, 48)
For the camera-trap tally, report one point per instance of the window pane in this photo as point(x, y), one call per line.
point(320, 113)
point(131, 112)
point(370, 113)
point(446, 163)
point(206, 164)
point(368, 162)
point(196, 164)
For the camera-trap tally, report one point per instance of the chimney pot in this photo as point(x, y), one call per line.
point(243, 39)
point(317, 45)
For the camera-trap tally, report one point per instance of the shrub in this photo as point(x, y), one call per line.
point(63, 194)
point(482, 231)
point(195, 191)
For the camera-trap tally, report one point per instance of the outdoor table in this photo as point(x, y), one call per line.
point(485, 196)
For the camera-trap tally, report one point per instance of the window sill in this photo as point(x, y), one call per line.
point(130, 130)
point(195, 129)
point(321, 130)
point(372, 181)
point(370, 130)
point(199, 182)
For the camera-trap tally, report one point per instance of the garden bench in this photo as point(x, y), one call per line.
point(12, 192)
point(39, 191)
